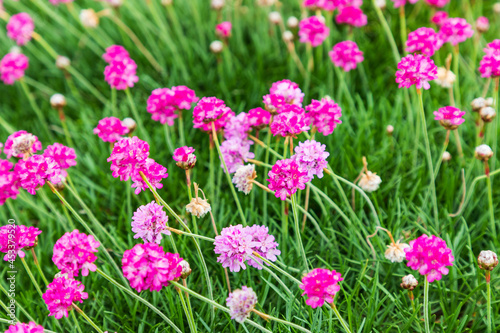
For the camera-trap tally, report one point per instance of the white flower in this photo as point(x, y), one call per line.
point(369, 181)
point(275, 17)
point(487, 114)
point(198, 207)
point(130, 124)
point(57, 101)
point(446, 156)
point(216, 46)
point(478, 103)
point(217, 4)
point(62, 62)
point(396, 252)
point(288, 36)
point(483, 152)
point(445, 78)
point(292, 22)
point(487, 260)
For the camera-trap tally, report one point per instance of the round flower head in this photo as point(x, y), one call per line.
point(64, 156)
point(149, 223)
point(292, 22)
point(439, 18)
point(369, 181)
point(147, 266)
point(110, 129)
point(487, 114)
point(266, 245)
point(352, 16)
point(161, 107)
point(223, 29)
point(216, 46)
point(12, 67)
point(185, 157)
point(282, 93)
point(490, 64)
point(312, 30)
point(198, 207)
point(217, 4)
point(437, 3)
point(89, 18)
point(15, 238)
point(483, 153)
point(130, 124)
point(311, 156)
point(127, 156)
point(21, 143)
point(291, 121)
point(258, 118)
point(235, 152)
point(416, 70)
point(346, 55)
point(396, 252)
point(430, 256)
point(402, 3)
point(241, 302)
point(183, 97)
point(63, 62)
point(35, 171)
point(75, 251)
point(409, 282)
point(324, 115)
point(186, 269)
point(287, 36)
point(446, 156)
point(57, 101)
point(30, 327)
point(237, 127)
point(235, 244)
point(61, 294)
point(275, 17)
point(154, 173)
point(320, 285)
point(243, 178)
point(121, 74)
point(115, 52)
point(9, 187)
point(455, 30)
point(482, 24)
point(286, 177)
point(478, 103)
point(20, 28)
point(423, 40)
point(445, 77)
point(487, 260)
point(449, 117)
point(211, 110)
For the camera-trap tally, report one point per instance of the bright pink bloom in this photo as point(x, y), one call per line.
point(351, 15)
point(185, 157)
point(266, 248)
point(423, 40)
point(223, 29)
point(312, 30)
point(482, 24)
point(115, 53)
point(64, 156)
point(121, 74)
point(160, 106)
point(147, 266)
point(110, 129)
point(30, 327)
point(292, 120)
point(449, 117)
point(324, 115)
point(258, 118)
point(150, 222)
point(399, 3)
point(9, 187)
point(57, 2)
point(329, 5)
point(281, 93)
point(311, 156)
point(183, 97)
point(234, 244)
point(241, 302)
point(14, 238)
point(416, 70)
point(10, 145)
point(128, 155)
point(236, 152)
point(346, 55)
point(211, 110)
point(493, 47)
point(12, 67)
point(61, 294)
point(437, 3)
point(20, 28)
point(430, 256)
point(439, 18)
point(320, 285)
point(237, 127)
point(35, 171)
point(154, 173)
point(75, 251)
point(455, 30)
point(490, 64)
point(286, 177)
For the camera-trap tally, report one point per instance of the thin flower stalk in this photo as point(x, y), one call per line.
point(37, 264)
point(488, 300)
point(35, 108)
point(297, 231)
point(87, 318)
point(456, 62)
point(339, 317)
point(140, 125)
point(28, 270)
point(426, 305)
point(190, 319)
point(490, 199)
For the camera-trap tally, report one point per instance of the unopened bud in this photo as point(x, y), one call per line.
point(186, 270)
point(217, 4)
point(57, 101)
point(130, 124)
point(89, 18)
point(292, 22)
point(446, 156)
point(487, 114)
point(15, 49)
point(487, 260)
point(62, 62)
point(477, 104)
point(216, 46)
point(275, 17)
point(409, 282)
point(496, 8)
point(389, 129)
point(287, 36)
point(380, 4)
point(483, 153)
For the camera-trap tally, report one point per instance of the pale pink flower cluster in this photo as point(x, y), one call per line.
point(35, 171)
point(329, 5)
point(20, 28)
point(10, 145)
point(110, 129)
point(121, 70)
point(324, 115)
point(185, 157)
point(147, 266)
point(30, 327)
point(241, 302)
point(320, 285)
point(61, 294)
point(281, 93)
point(286, 177)
point(416, 70)
point(346, 54)
point(236, 151)
point(115, 53)
point(164, 103)
point(75, 251)
point(311, 156)
point(267, 247)
point(15, 238)
point(455, 30)
point(437, 3)
point(400, 3)
point(291, 120)
point(258, 118)
point(211, 110)
point(439, 18)
point(9, 187)
point(237, 127)
point(12, 67)
point(490, 64)
point(482, 24)
point(223, 29)
point(150, 222)
point(312, 30)
point(351, 15)
point(64, 156)
point(449, 117)
point(423, 40)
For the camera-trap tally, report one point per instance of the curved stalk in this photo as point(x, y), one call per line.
point(297, 231)
point(426, 305)
point(339, 317)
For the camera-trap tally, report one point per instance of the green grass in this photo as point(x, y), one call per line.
point(371, 299)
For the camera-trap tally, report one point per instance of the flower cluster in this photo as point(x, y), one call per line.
point(20, 28)
point(75, 251)
point(237, 127)
point(455, 30)
point(320, 285)
point(346, 55)
point(292, 120)
point(211, 110)
point(423, 40)
point(416, 70)
point(324, 115)
point(121, 70)
point(150, 222)
point(110, 129)
point(449, 117)
point(328, 5)
point(9, 187)
point(241, 302)
point(402, 3)
point(267, 247)
point(223, 29)
point(351, 15)
point(61, 294)
point(164, 103)
point(437, 3)
point(490, 64)
point(35, 171)
point(311, 156)
point(185, 157)
point(30, 327)
point(281, 93)
point(243, 177)
point(439, 18)
point(64, 156)
point(20, 143)
point(258, 118)
point(286, 177)
point(312, 30)
point(236, 152)
point(23, 238)
point(12, 67)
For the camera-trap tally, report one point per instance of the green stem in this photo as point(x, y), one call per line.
point(39, 268)
point(181, 129)
point(113, 102)
point(76, 322)
point(211, 177)
point(143, 131)
point(87, 84)
point(37, 287)
point(297, 231)
point(402, 22)
point(490, 207)
point(339, 317)
point(168, 138)
point(388, 32)
point(87, 318)
point(456, 62)
point(192, 325)
point(64, 125)
point(488, 295)
point(270, 263)
point(426, 305)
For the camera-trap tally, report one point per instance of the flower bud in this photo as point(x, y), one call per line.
point(217, 4)
point(409, 282)
point(130, 124)
point(288, 36)
point(186, 269)
point(115, 3)
point(477, 104)
point(496, 8)
point(292, 22)
point(62, 62)
point(216, 46)
point(15, 49)
point(265, 3)
point(389, 129)
point(57, 101)
point(275, 17)
point(35, 244)
point(487, 260)
point(489, 101)
point(482, 24)
point(381, 4)
point(396, 252)
point(89, 18)
point(487, 114)
point(446, 156)
point(483, 153)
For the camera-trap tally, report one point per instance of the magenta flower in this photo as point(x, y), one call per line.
point(312, 30)
point(439, 18)
point(150, 222)
point(320, 285)
point(17, 139)
point(121, 74)
point(423, 40)
point(324, 115)
point(292, 120)
point(223, 29)
point(110, 129)
point(9, 187)
point(241, 302)
point(237, 127)
point(430, 256)
point(115, 53)
point(267, 245)
point(154, 173)
point(211, 110)
point(147, 266)
point(329, 5)
point(258, 118)
point(185, 157)
point(14, 238)
point(286, 177)
point(482, 24)
point(183, 97)
point(235, 152)
point(161, 107)
point(311, 156)
point(281, 93)
point(64, 156)
point(61, 294)
point(449, 117)
point(402, 3)
point(75, 251)
point(20, 28)
point(490, 64)
point(437, 3)
point(35, 171)
point(127, 156)
point(352, 16)
point(455, 30)
point(235, 244)
point(12, 67)
point(346, 55)
point(416, 70)
point(30, 327)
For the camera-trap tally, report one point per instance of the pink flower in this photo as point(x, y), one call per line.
point(437, 3)
point(324, 115)
point(121, 74)
point(237, 127)
point(312, 30)
point(493, 47)
point(346, 55)
point(14, 238)
point(328, 5)
point(12, 67)
point(291, 121)
point(400, 3)
point(286, 177)
point(236, 151)
point(351, 15)
point(11, 145)
point(311, 156)
point(455, 30)
point(35, 171)
point(267, 245)
point(320, 285)
point(258, 118)
point(20, 28)
point(110, 129)
point(30, 327)
point(241, 302)
point(183, 97)
point(482, 24)
point(128, 155)
point(61, 294)
point(185, 157)
point(439, 18)
point(430, 256)
point(64, 156)
point(211, 110)
point(416, 70)
point(449, 117)
point(115, 53)
point(57, 2)
point(154, 173)
point(490, 64)
point(160, 106)
point(147, 266)
point(9, 187)
point(423, 40)
point(75, 251)
point(281, 93)
point(235, 244)
point(150, 222)
point(223, 29)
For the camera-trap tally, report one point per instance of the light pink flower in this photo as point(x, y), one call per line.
point(320, 285)
point(10, 145)
point(9, 187)
point(399, 3)
point(241, 302)
point(75, 251)
point(150, 222)
point(35, 171)
point(312, 30)
point(110, 129)
point(455, 30)
point(154, 173)
point(12, 67)
point(482, 24)
point(292, 120)
point(437, 3)
point(346, 55)
point(439, 18)
point(237, 127)
point(258, 118)
point(223, 29)
point(281, 93)
point(20, 28)
point(266, 248)
point(311, 156)
point(324, 115)
point(234, 244)
point(286, 177)
point(64, 156)
point(236, 152)
point(121, 74)
point(61, 294)
point(14, 238)
point(416, 70)
point(161, 107)
point(30, 327)
point(449, 117)
point(115, 53)
point(423, 40)
point(211, 110)
point(185, 157)
point(351, 15)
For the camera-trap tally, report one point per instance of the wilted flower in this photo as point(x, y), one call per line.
point(346, 55)
point(61, 294)
point(320, 285)
point(445, 77)
point(198, 207)
point(150, 222)
point(369, 181)
point(241, 302)
point(396, 251)
point(243, 178)
point(89, 18)
point(20, 28)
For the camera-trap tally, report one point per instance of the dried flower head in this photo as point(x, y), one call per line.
point(369, 181)
point(241, 302)
point(445, 77)
point(21, 141)
point(89, 18)
point(198, 207)
point(186, 269)
point(478, 103)
point(243, 178)
point(409, 282)
point(396, 251)
point(320, 285)
point(487, 260)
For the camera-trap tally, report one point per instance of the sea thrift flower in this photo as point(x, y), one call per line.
point(416, 70)
point(57, 101)
point(9, 187)
point(235, 152)
point(75, 251)
point(237, 127)
point(217, 4)
point(198, 207)
point(369, 181)
point(63, 62)
point(281, 93)
point(487, 114)
point(478, 103)
point(455, 30)
point(439, 18)
point(258, 118)
point(159, 104)
point(149, 223)
point(324, 115)
point(487, 260)
point(449, 117)
point(482, 24)
point(130, 124)
point(211, 110)
point(292, 22)
point(12, 67)
point(20, 28)
point(186, 269)
point(20, 143)
point(423, 40)
point(14, 238)
point(243, 178)
point(399, 3)
point(235, 244)
point(61, 294)
point(430, 256)
point(351, 15)
point(275, 17)
point(266, 248)
point(241, 302)
point(223, 29)
point(30, 327)
point(311, 156)
point(445, 77)
point(312, 30)
point(346, 55)
point(64, 156)
point(110, 129)
point(89, 18)
point(115, 53)
point(320, 285)
point(128, 155)
point(35, 171)
point(292, 120)
point(483, 153)
point(147, 266)
point(185, 157)
point(121, 74)
point(216, 46)
point(409, 282)
point(446, 156)
point(183, 97)
point(154, 173)
point(286, 177)
point(490, 64)
point(437, 3)
point(396, 251)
